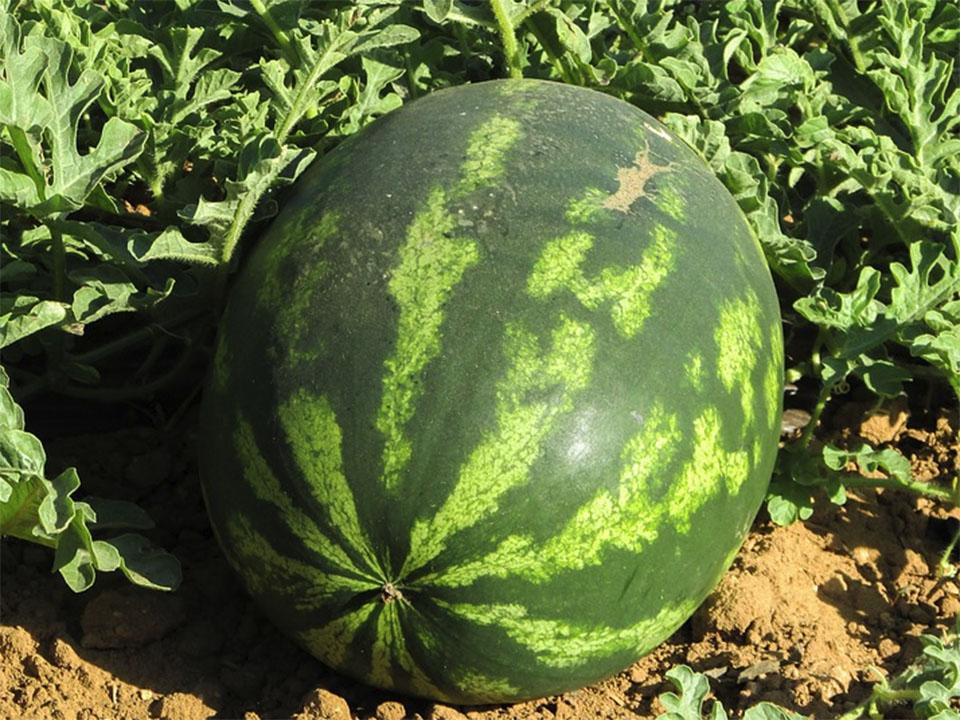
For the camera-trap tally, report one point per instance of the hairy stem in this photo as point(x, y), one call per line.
point(555, 60)
point(278, 34)
point(134, 392)
point(59, 252)
point(853, 480)
point(807, 436)
point(944, 563)
point(838, 16)
point(508, 38)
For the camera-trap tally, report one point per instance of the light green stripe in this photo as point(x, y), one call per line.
point(558, 644)
point(331, 642)
point(486, 150)
point(739, 342)
point(389, 654)
point(709, 469)
point(772, 381)
point(300, 229)
point(628, 292)
point(315, 440)
point(222, 362)
point(516, 556)
point(585, 208)
point(626, 518)
point(431, 264)
point(693, 370)
point(484, 688)
point(669, 199)
point(387, 643)
point(292, 300)
point(503, 459)
point(266, 487)
point(267, 571)
point(559, 266)
point(772, 390)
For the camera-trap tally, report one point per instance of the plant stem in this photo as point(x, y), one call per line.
point(121, 394)
point(59, 252)
point(302, 100)
point(838, 14)
point(554, 58)
point(111, 348)
point(628, 28)
point(822, 400)
point(508, 38)
point(852, 480)
point(279, 35)
point(945, 557)
point(138, 336)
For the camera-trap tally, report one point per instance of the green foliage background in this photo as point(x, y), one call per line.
point(145, 145)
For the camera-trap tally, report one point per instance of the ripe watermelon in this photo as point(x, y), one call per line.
point(497, 396)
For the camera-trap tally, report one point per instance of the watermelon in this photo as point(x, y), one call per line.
point(497, 396)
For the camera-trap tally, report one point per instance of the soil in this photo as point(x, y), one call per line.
point(798, 620)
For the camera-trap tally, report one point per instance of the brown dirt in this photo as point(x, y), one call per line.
point(799, 619)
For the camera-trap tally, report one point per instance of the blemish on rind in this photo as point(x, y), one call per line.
point(632, 182)
point(659, 132)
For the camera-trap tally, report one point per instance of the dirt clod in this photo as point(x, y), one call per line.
point(181, 706)
point(443, 712)
point(390, 710)
point(64, 655)
point(321, 704)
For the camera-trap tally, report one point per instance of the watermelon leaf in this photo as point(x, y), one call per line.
point(41, 110)
point(44, 511)
point(693, 689)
